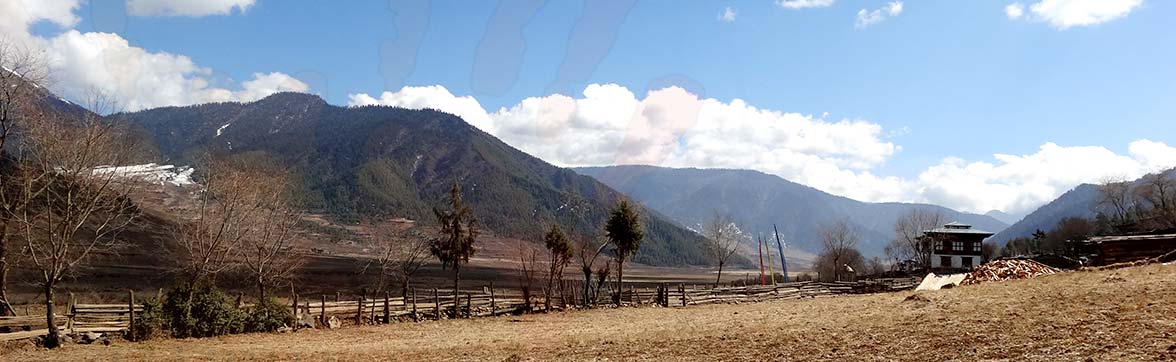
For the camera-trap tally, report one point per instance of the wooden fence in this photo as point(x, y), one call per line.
point(79, 318)
point(424, 304)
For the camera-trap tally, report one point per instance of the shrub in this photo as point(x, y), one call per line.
point(268, 316)
point(150, 323)
point(209, 313)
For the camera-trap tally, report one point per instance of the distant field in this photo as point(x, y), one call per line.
point(1127, 314)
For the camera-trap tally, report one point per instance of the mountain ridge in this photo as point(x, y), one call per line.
point(761, 200)
point(361, 162)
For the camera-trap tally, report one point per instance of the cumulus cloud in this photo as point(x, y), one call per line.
point(866, 18)
point(728, 15)
point(429, 97)
point(1063, 14)
point(1018, 184)
point(1014, 10)
point(804, 4)
point(192, 8)
point(134, 77)
point(608, 124)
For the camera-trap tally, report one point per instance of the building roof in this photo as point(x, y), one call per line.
point(956, 227)
point(1114, 238)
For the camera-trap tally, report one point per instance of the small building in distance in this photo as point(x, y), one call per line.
point(1106, 250)
point(956, 246)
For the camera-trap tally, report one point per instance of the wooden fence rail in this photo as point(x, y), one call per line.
point(439, 303)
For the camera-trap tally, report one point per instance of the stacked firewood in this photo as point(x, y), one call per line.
point(1007, 270)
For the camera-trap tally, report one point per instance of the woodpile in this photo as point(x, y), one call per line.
point(1001, 270)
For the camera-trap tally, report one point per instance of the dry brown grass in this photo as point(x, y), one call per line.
point(1127, 314)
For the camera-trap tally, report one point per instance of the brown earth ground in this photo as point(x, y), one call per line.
point(1120, 315)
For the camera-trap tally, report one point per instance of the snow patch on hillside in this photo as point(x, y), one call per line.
point(162, 174)
point(221, 130)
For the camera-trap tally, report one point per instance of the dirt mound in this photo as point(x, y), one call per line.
point(1007, 270)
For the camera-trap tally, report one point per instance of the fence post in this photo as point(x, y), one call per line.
point(295, 302)
point(323, 311)
point(492, 305)
point(359, 309)
point(682, 291)
point(336, 296)
point(387, 312)
point(414, 311)
point(469, 305)
point(69, 310)
point(131, 313)
point(436, 305)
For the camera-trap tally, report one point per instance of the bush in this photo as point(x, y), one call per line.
point(268, 316)
point(150, 323)
point(210, 313)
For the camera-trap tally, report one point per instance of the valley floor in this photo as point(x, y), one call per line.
point(1127, 314)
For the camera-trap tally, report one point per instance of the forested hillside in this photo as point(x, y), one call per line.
point(364, 162)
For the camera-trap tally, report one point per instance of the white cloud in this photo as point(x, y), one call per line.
point(1014, 10)
point(106, 62)
point(608, 124)
point(193, 8)
point(1063, 14)
point(866, 18)
point(728, 15)
point(671, 127)
point(804, 4)
point(1018, 184)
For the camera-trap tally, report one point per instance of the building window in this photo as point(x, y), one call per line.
point(957, 246)
point(976, 247)
point(967, 262)
point(945, 262)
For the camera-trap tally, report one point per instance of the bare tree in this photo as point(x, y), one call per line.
point(223, 219)
point(590, 250)
point(722, 237)
point(267, 252)
point(559, 251)
point(528, 271)
point(875, 267)
point(21, 72)
point(1116, 193)
point(909, 240)
point(1159, 191)
point(74, 202)
point(402, 252)
point(839, 249)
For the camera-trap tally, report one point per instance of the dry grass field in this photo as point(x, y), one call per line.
point(1117, 315)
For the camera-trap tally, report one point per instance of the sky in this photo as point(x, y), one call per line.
point(973, 105)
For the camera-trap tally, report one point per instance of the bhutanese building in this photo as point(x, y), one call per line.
point(956, 246)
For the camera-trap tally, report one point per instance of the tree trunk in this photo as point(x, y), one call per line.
point(620, 281)
point(456, 278)
point(54, 338)
point(5, 307)
point(587, 286)
point(719, 278)
point(260, 291)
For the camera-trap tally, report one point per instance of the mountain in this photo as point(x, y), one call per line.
point(1081, 201)
point(758, 200)
point(360, 162)
point(1003, 217)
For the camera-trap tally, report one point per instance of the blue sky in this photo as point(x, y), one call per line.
point(928, 93)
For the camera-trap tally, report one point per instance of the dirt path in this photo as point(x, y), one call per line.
point(1127, 314)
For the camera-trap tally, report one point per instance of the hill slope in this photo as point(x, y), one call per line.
point(757, 200)
point(1082, 201)
point(382, 161)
